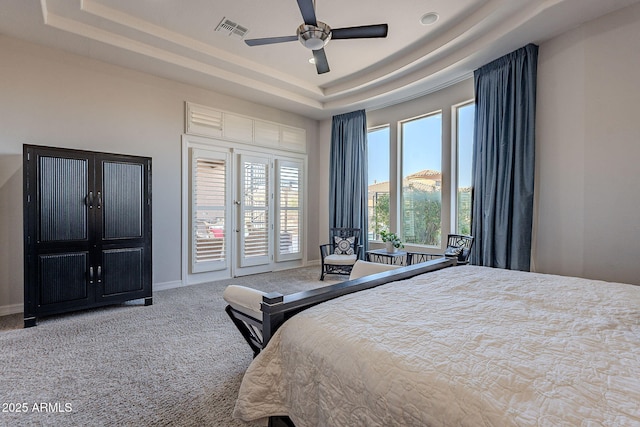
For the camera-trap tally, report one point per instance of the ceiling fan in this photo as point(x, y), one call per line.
point(314, 34)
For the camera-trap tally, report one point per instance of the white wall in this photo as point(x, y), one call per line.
point(49, 97)
point(588, 151)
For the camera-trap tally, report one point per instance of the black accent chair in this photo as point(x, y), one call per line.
point(339, 256)
point(458, 246)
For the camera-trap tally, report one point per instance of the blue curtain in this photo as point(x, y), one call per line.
point(503, 160)
point(348, 174)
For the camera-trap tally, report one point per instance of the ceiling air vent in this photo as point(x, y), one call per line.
point(230, 28)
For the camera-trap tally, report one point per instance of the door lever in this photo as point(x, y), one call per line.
point(91, 275)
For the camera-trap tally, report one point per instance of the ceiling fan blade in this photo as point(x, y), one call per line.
point(308, 12)
point(322, 65)
point(362, 32)
point(270, 40)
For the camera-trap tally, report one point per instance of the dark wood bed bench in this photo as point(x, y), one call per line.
point(276, 308)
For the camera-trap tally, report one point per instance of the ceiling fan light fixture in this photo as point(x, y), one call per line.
point(429, 18)
point(314, 37)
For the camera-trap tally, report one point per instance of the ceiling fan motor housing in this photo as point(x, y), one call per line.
point(314, 37)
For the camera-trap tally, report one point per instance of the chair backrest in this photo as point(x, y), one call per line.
point(461, 241)
point(338, 234)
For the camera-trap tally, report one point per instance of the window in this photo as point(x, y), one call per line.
point(464, 150)
point(421, 198)
point(289, 217)
point(255, 191)
point(209, 214)
point(428, 195)
point(378, 181)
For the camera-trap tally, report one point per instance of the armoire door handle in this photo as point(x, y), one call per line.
point(89, 200)
point(99, 200)
point(99, 274)
point(91, 274)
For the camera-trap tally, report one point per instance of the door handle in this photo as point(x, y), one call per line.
point(99, 200)
point(91, 275)
point(89, 200)
point(99, 274)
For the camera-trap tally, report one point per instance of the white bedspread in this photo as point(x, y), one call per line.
point(463, 346)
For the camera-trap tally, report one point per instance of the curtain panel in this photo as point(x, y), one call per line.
point(348, 174)
point(504, 159)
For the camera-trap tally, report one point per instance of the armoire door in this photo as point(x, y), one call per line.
point(123, 227)
point(58, 213)
point(87, 230)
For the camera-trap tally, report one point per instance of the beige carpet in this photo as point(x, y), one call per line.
point(178, 362)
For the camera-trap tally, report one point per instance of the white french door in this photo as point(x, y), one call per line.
point(243, 211)
point(254, 224)
point(210, 215)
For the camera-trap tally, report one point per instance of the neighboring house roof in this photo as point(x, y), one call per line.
point(425, 174)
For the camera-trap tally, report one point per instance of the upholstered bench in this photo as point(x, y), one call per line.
point(244, 307)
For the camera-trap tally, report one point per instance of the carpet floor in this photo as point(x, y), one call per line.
point(178, 362)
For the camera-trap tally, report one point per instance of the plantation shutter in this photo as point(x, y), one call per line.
point(289, 216)
point(209, 213)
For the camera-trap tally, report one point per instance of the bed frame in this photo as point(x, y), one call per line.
point(277, 308)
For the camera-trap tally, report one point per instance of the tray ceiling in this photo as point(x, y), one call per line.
point(178, 40)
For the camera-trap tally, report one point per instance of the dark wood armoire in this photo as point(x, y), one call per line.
point(87, 230)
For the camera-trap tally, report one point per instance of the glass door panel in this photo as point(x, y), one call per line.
point(289, 217)
point(209, 209)
point(254, 216)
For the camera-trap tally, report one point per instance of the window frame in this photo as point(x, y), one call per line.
point(446, 103)
point(455, 163)
point(280, 163)
point(222, 263)
point(400, 177)
point(369, 218)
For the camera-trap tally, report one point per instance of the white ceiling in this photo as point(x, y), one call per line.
point(176, 39)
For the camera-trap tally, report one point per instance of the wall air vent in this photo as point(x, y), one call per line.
point(231, 28)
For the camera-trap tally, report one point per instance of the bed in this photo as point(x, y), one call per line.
point(462, 346)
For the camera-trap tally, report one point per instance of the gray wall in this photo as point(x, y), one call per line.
point(49, 97)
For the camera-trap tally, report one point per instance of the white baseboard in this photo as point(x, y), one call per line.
point(6, 310)
point(167, 285)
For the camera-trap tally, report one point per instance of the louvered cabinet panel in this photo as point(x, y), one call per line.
point(122, 200)
point(63, 278)
point(63, 185)
point(122, 270)
point(87, 230)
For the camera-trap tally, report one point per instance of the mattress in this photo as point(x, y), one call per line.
point(462, 346)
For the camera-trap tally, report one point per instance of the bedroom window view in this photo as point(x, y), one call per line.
point(464, 125)
point(378, 181)
point(421, 208)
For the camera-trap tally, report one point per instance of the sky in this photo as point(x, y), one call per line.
point(423, 148)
